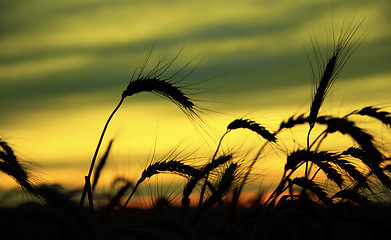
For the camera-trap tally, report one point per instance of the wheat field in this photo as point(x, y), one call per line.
point(322, 193)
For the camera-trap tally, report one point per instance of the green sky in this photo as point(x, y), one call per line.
point(64, 64)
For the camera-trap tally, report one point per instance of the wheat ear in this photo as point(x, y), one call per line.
point(374, 112)
point(342, 51)
point(226, 182)
point(353, 196)
point(314, 188)
point(253, 126)
point(155, 83)
point(10, 165)
point(172, 166)
point(193, 181)
point(292, 122)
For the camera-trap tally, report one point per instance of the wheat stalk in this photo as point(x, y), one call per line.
point(342, 50)
point(101, 164)
point(226, 182)
point(171, 166)
point(241, 124)
point(193, 181)
point(155, 83)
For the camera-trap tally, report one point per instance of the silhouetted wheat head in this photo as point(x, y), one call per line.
point(327, 73)
point(226, 183)
point(154, 82)
point(253, 126)
point(169, 164)
point(10, 165)
point(205, 171)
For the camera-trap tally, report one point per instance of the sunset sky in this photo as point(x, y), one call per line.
point(64, 65)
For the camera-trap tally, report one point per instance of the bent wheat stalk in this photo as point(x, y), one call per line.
point(172, 166)
point(151, 82)
point(242, 124)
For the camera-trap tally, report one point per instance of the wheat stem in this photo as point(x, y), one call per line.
point(86, 187)
point(207, 174)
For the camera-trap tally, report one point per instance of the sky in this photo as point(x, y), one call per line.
point(64, 65)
